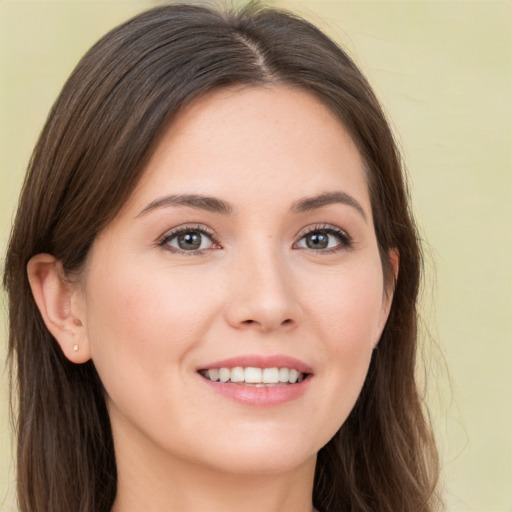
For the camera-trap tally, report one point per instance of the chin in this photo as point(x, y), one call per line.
point(263, 462)
point(265, 450)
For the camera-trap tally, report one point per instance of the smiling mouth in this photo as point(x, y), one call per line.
point(252, 376)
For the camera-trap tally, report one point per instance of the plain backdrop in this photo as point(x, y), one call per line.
point(443, 70)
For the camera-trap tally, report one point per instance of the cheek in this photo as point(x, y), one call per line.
point(132, 325)
point(349, 307)
point(348, 321)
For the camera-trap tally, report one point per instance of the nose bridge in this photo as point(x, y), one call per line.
point(263, 295)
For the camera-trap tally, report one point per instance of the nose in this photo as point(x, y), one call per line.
point(262, 294)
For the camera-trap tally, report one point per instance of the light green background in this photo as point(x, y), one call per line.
point(444, 73)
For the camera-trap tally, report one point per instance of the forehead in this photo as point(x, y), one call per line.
point(253, 142)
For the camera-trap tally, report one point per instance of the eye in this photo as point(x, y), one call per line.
point(189, 240)
point(324, 239)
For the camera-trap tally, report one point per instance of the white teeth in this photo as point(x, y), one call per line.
point(237, 374)
point(270, 376)
point(213, 374)
point(252, 375)
point(224, 374)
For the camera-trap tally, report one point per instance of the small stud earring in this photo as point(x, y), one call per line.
point(75, 348)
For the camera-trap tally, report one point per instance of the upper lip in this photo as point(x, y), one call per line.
point(260, 361)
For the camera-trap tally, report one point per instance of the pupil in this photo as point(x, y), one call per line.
point(317, 241)
point(189, 241)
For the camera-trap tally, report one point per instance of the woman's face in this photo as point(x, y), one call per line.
point(247, 253)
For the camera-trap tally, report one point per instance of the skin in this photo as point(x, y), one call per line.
point(150, 313)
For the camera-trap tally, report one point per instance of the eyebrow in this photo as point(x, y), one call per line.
point(198, 201)
point(312, 203)
point(212, 204)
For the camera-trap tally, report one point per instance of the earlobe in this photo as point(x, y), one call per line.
point(57, 302)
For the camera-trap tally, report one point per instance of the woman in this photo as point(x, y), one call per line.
point(212, 280)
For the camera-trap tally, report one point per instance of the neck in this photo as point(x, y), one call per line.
point(151, 480)
point(195, 492)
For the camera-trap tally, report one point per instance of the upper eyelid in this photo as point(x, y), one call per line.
point(171, 233)
point(323, 227)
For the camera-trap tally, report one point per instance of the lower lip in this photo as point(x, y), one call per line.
point(264, 396)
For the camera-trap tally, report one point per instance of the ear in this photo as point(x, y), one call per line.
point(59, 302)
point(389, 290)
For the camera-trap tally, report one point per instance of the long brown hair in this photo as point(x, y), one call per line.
point(99, 135)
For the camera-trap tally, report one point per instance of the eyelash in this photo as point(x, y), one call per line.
point(343, 236)
point(345, 239)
